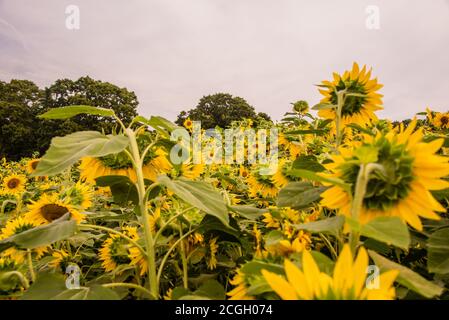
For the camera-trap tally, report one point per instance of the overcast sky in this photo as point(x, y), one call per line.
point(270, 52)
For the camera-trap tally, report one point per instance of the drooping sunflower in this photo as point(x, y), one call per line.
point(115, 250)
point(155, 163)
point(14, 184)
point(260, 185)
point(356, 109)
point(213, 249)
point(50, 207)
point(441, 120)
point(240, 292)
point(348, 281)
point(60, 259)
point(190, 171)
point(14, 227)
point(412, 169)
point(282, 177)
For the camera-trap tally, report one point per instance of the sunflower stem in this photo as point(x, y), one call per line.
point(185, 274)
point(360, 191)
point(30, 266)
point(340, 103)
point(149, 241)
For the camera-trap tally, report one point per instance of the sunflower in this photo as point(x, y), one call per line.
point(190, 171)
point(50, 207)
point(213, 248)
point(281, 177)
point(356, 109)
point(155, 163)
point(441, 120)
point(243, 171)
point(60, 259)
point(80, 195)
point(14, 227)
point(188, 124)
point(115, 250)
point(138, 259)
point(14, 184)
point(32, 165)
point(293, 147)
point(411, 167)
point(240, 292)
point(262, 186)
point(348, 281)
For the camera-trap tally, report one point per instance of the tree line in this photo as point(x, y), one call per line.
point(23, 134)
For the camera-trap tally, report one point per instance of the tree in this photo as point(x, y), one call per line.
point(22, 133)
point(20, 102)
point(220, 109)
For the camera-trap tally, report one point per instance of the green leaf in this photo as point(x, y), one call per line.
point(211, 222)
point(122, 188)
point(390, 230)
point(44, 235)
point(330, 225)
point(438, 252)
point(312, 176)
point(51, 286)
point(309, 163)
point(200, 195)
point(407, 277)
point(248, 212)
point(324, 106)
point(211, 289)
point(66, 151)
point(255, 267)
point(160, 124)
point(359, 128)
point(71, 111)
point(273, 238)
point(298, 195)
point(47, 286)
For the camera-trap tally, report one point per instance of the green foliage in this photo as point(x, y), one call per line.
point(21, 101)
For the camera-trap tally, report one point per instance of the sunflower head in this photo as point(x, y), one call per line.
point(14, 184)
point(441, 120)
point(188, 124)
point(50, 207)
point(348, 281)
point(301, 107)
point(410, 168)
point(80, 195)
point(361, 96)
point(32, 165)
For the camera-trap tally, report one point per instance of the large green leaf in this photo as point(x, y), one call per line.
point(407, 277)
point(390, 230)
point(71, 111)
point(298, 195)
point(248, 212)
point(122, 188)
point(43, 235)
point(200, 195)
point(52, 286)
point(307, 162)
point(66, 151)
point(330, 225)
point(438, 251)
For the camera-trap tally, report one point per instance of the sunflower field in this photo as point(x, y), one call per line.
point(356, 208)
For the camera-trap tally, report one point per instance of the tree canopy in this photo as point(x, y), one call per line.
point(22, 133)
point(221, 109)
